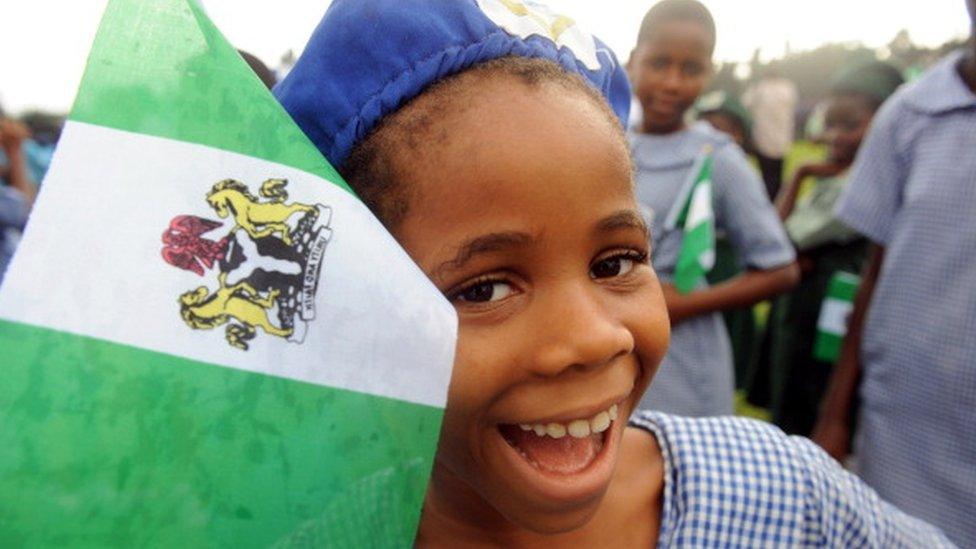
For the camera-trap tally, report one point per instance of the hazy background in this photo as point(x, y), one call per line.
point(43, 43)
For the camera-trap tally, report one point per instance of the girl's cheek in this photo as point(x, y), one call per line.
point(471, 379)
point(651, 328)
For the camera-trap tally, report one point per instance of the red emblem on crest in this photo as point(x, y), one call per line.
point(185, 247)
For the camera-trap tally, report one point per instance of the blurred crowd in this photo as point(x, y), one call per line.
point(26, 148)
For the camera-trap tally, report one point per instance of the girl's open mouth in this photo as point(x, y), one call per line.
point(562, 448)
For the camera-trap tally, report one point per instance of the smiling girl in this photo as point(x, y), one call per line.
point(487, 137)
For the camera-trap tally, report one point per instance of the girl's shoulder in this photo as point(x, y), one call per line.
point(723, 444)
point(730, 476)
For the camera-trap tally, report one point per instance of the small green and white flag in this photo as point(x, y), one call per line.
point(207, 339)
point(834, 316)
point(696, 218)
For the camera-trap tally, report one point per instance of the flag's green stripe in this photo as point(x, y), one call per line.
point(161, 68)
point(689, 270)
point(827, 346)
point(843, 286)
point(108, 445)
point(704, 174)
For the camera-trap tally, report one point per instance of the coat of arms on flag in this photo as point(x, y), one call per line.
point(267, 261)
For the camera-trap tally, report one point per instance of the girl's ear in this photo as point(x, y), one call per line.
point(629, 66)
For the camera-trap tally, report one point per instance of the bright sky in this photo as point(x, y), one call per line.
point(44, 43)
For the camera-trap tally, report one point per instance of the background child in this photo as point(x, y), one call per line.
point(493, 155)
point(912, 192)
point(772, 101)
point(724, 112)
point(825, 246)
point(669, 67)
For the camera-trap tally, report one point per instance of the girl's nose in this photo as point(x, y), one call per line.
point(577, 330)
point(673, 78)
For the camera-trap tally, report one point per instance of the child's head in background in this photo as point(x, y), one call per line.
point(508, 180)
point(672, 62)
point(725, 113)
point(856, 95)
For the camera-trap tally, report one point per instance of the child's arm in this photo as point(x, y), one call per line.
point(833, 429)
point(741, 291)
point(786, 200)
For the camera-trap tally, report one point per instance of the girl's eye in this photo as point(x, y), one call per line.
point(484, 292)
point(693, 69)
point(657, 63)
point(617, 265)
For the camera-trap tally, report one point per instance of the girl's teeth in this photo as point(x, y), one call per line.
point(600, 422)
point(578, 428)
point(557, 430)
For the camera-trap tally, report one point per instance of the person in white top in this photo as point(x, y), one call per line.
point(772, 102)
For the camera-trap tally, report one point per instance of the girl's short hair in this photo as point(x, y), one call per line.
point(375, 166)
point(667, 11)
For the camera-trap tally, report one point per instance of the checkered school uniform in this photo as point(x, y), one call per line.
point(696, 376)
point(913, 191)
point(735, 482)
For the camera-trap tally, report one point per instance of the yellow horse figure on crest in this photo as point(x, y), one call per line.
point(241, 302)
point(258, 219)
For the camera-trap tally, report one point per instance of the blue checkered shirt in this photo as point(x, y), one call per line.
point(735, 482)
point(913, 191)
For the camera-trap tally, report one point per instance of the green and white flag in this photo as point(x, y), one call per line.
point(696, 219)
point(834, 316)
point(207, 339)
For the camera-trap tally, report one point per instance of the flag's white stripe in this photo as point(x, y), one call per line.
point(700, 210)
point(833, 316)
point(671, 220)
point(90, 263)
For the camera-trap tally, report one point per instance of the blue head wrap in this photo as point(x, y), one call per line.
point(369, 57)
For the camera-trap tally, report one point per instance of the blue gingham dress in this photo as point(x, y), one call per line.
point(735, 482)
point(913, 191)
point(696, 376)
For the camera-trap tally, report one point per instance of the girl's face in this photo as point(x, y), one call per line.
point(669, 70)
point(525, 218)
point(847, 120)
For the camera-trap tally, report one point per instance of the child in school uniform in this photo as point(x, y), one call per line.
point(910, 348)
point(669, 67)
point(825, 245)
point(488, 137)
